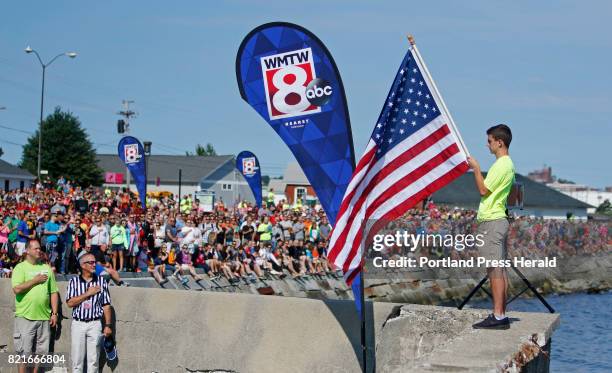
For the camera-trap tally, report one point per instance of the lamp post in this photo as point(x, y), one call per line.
point(147, 150)
point(42, 95)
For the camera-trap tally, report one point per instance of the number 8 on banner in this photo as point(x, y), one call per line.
point(286, 77)
point(131, 153)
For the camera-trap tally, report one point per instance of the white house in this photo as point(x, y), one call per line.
point(13, 177)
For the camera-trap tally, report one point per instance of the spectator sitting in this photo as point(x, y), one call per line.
point(183, 263)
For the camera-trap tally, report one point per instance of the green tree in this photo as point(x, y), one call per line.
point(604, 208)
point(200, 150)
point(66, 150)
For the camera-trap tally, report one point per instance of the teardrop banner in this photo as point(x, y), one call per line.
point(248, 165)
point(289, 77)
point(132, 154)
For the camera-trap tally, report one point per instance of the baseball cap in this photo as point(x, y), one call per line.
point(82, 254)
point(110, 348)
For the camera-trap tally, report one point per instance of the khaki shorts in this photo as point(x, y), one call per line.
point(495, 233)
point(31, 336)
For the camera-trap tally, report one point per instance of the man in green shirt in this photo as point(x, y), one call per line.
point(36, 303)
point(493, 220)
point(12, 221)
point(118, 243)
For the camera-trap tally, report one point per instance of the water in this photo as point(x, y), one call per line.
point(583, 341)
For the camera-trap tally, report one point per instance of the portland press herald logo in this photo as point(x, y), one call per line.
point(291, 84)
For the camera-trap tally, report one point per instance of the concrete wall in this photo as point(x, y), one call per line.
point(179, 331)
point(176, 331)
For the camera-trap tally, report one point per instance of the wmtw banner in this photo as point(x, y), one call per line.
point(132, 154)
point(248, 165)
point(289, 77)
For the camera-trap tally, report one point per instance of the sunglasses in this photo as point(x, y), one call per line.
point(90, 262)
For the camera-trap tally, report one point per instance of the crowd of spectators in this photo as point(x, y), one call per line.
point(172, 235)
point(178, 235)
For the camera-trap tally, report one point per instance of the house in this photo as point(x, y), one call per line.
point(215, 174)
point(293, 186)
point(13, 177)
point(539, 199)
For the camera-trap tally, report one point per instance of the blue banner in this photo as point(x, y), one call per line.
point(132, 154)
point(289, 77)
point(248, 165)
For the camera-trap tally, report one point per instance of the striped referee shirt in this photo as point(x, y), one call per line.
point(91, 308)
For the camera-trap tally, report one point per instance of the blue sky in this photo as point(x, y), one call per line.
point(537, 66)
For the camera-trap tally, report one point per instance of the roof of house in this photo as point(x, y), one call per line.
point(166, 167)
point(278, 185)
point(9, 169)
point(294, 175)
point(463, 192)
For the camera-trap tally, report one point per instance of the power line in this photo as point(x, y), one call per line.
point(16, 129)
point(11, 143)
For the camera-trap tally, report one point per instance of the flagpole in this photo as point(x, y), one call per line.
point(436, 92)
point(364, 348)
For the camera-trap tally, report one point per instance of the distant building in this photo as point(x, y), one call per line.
point(13, 177)
point(592, 196)
point(293, 186)
point(539, 199)
point(215, 174)
point(542, 176)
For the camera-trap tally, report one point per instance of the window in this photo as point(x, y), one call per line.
point(6, 185)
point(226, 186)
point(300, 194)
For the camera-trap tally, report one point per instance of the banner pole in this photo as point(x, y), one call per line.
point(364, 349)
point(436, 92)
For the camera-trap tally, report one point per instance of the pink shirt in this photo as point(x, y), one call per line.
point(4, 231)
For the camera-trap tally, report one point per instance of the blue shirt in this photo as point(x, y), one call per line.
point(52, 227)
point(24, 229)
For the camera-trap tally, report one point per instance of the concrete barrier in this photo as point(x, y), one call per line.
point(161, 330)
point(178, 331)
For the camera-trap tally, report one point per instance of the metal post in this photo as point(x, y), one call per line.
point(127, 179)
point(42, 97)
point(364, 348)
point(40, 127)
point(180, 181)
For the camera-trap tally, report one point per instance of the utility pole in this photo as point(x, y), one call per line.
point(127, 114)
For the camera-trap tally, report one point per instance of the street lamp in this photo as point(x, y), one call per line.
point(42, 95)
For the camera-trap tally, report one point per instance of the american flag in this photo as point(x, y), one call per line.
point(414, 150)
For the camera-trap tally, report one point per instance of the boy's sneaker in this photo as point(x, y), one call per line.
point(492, 323)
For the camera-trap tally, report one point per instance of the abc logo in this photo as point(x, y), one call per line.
point(319, 92)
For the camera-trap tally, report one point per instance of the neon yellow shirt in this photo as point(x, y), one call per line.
point(118, 235)
point(34, 304)
point(499, 182)
point(264, 231)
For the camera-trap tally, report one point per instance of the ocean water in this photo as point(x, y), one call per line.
point(583, 341)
